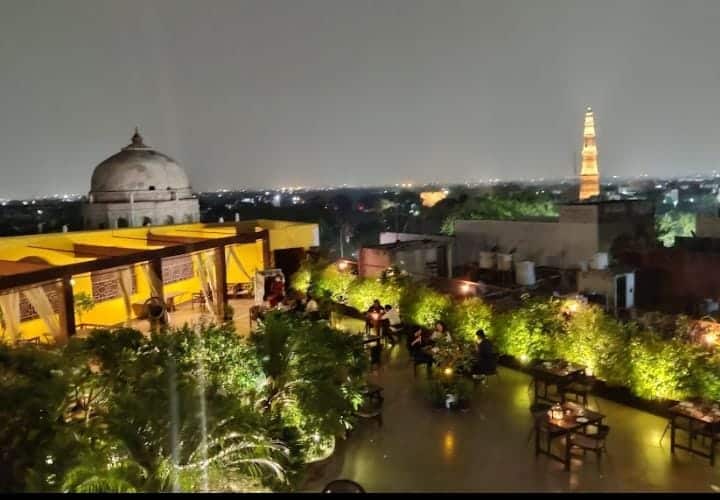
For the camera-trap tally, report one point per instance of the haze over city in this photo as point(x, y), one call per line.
point(321, 92)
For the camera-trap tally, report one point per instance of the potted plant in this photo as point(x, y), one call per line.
point(84, 303)
point(229, 312)
point(449, 390)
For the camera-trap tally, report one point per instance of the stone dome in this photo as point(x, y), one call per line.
point(138, 167)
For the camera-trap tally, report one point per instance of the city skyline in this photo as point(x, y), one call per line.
point(315, 93)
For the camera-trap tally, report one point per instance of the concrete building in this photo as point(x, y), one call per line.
point(421, 257)
point(582, 230)
point(707, 226)
point(613, 288)
point(678, 279)
point(139, 187)
point(120, 269)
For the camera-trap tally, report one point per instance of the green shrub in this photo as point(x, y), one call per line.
point(362, 292)
point(706, 376)
point(441, 385)
point(301, 279)
point(594, 339)
point(467, 317)
point(528, 332)
point(661, 369)
point(333, 283)
point(424, 306)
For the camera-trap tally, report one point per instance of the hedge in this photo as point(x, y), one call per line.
point(632, 355)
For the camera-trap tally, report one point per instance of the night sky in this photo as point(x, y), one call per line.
point(251, 93)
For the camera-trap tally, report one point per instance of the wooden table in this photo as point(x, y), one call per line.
point(239, 290)
point(550, 373)
point(701, 419)
point(170, 300)
point(370, 339)
point(564, 427)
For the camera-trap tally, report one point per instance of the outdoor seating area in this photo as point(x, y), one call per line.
point(571, 446)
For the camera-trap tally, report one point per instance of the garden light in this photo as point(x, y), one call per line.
point(448, 371)
point(342, 265)
point(465, 288)
point(710, 338)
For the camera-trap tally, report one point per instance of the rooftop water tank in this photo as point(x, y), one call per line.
point(504, 262)
point(525, 273)
point(486, 260)
point(599, 261)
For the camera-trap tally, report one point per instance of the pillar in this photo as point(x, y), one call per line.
point(156, 270)
point(267, 254)
point(221, 281)
point(67, 313)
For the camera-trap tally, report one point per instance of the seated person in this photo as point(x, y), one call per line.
point(285, 305)
point(311, 306)
point(312, 309)
point(391, 324)
point(441, 332)
point(277, 292)
point(485, 359)
point(373, 316)
point(419, 346)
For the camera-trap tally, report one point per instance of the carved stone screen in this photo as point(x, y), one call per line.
point(105, 284)
point(177, 269)
point(27, 311)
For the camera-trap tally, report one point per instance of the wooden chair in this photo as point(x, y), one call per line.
point(198, 298)
point(594, 442)
point(538, 411)
point(579, 390)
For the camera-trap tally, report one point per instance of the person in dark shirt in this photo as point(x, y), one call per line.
point(485, 359)
point(419, 346)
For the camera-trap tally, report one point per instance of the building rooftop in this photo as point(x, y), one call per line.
point(409, 245)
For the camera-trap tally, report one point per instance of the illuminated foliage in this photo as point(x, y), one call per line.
point(362, 292)
point(313, 377)
point(672, 224)
point(333, 282)
point(421, 305)
point(529, 331)
point(469, 316)
point(301, 279)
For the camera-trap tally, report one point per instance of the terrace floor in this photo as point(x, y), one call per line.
point(419, 448)
point(192, 315)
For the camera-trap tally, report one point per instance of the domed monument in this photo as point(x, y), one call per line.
point(139, 187)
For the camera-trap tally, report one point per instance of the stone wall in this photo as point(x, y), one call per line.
point(108, 215)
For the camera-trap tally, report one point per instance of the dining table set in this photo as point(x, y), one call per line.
point(564, 420)
point(572, 422)
point(555, 373)
point(696, 419)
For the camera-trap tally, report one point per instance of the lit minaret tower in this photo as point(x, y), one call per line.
point(589, 173)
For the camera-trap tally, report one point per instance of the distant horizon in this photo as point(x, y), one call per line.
point(414, 186)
